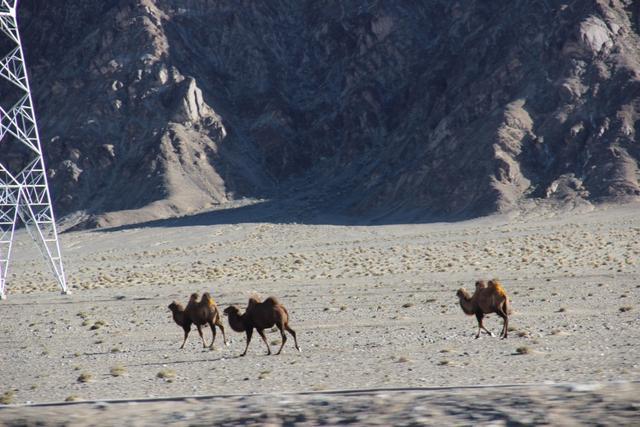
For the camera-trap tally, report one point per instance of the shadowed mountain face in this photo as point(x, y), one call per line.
point(416, 110)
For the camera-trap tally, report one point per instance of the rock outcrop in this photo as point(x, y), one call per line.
point(403, 111)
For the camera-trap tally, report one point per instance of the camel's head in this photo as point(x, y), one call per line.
point(232, 309)
point(174, 306)
point(462, 293)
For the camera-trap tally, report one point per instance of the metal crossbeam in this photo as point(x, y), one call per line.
point(24, 196)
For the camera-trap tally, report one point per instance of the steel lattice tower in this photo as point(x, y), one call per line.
point(24, 192)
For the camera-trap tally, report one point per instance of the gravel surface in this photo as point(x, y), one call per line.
point(374, 307)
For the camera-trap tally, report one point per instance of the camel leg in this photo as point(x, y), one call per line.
point(284, 338)
point(480, 316)
point(213, 333)
point(204, 344)
point(186, 334)
point(249, 333)
point(293, 333)
point(261, 332)
point(505, 324)
point(224, 337)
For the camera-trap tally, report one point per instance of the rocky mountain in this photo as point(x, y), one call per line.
point(409, 110)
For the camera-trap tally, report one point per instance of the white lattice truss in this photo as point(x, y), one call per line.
point(25, 195)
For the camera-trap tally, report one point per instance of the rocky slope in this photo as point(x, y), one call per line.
point(388, 110)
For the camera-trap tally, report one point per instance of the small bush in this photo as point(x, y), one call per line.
point(523, 350)
point(407, 305)
point(71, 398)
point(625, 308)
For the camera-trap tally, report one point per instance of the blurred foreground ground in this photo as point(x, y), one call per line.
point(565, 405)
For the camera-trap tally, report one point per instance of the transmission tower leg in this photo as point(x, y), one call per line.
point(24, 194)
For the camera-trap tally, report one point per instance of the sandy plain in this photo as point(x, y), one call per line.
point(374, 308)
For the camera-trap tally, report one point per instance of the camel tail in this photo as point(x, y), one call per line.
point(507, 306)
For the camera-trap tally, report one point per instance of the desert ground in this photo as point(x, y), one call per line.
point(374, 308)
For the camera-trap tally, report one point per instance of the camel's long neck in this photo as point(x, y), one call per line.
point(466, 304)
point(178, 317)
point(236, 322)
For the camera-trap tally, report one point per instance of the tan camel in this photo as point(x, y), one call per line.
point(261, 315)
point(199, 313)
point(486, 299)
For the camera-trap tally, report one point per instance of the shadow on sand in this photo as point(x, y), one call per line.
point(300, 211)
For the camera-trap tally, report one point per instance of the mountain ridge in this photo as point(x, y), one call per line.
point(433, 110)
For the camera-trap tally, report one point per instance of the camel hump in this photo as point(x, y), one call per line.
point(207, 297)
point(497, 287)
point(271, 301)
point(252, 303)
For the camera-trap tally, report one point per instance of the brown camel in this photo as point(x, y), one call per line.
point(203, 312)
point(181, 318)
point(261, 315)
point(486, 299)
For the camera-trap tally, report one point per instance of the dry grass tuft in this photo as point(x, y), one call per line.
point(71, 398)
point(117, 370)
point(97, 325)
point(625, 308)
point(7, 397)
point(407, 305)
point(523, 350)
point(167, 374)
point(85, 377)
point(562, 310)
point(264, 375)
